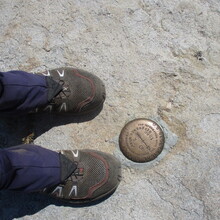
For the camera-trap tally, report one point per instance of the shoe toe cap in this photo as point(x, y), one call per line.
point(113, 174)
point(97, 92)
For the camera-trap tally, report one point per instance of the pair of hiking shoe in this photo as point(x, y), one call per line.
point(86, 175)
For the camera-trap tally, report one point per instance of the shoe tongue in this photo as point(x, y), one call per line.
point(54, 88)
point(67, 167)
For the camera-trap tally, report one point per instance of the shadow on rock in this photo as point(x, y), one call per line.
point(18, 204)
point(24, 129)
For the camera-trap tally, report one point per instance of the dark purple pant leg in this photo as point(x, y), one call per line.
point(28, 168)
point(22, 92)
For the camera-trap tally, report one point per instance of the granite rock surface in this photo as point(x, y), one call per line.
point(158, 59)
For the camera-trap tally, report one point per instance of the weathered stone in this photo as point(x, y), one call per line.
point(157, 58)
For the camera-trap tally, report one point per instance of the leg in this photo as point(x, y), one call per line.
point(29, 168)
point(21, 92)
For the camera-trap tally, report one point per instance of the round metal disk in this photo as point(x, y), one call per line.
point(141, 140)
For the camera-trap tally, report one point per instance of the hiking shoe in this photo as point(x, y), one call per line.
point(93, 175)
point(78, 91)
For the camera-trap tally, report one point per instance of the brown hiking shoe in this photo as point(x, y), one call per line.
point(78, 91)
point(94, 175)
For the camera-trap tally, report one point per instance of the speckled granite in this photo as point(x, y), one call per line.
point(158, 59)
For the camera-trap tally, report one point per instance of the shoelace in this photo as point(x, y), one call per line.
point(77, 172)
point(65, 93)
